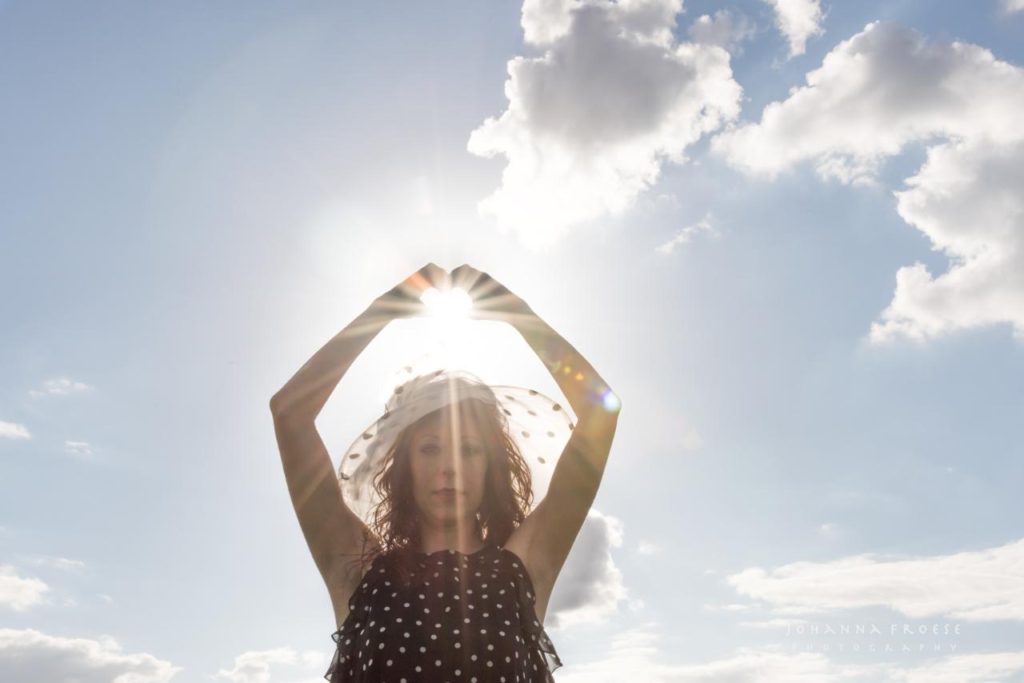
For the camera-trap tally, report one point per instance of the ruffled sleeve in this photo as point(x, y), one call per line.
point(336, 660)
point(343, 638)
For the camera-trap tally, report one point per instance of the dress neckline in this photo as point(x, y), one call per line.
point(452, 551)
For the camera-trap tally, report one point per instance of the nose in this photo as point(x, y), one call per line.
point(448, 463)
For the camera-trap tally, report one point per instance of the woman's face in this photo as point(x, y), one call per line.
point(449, 465)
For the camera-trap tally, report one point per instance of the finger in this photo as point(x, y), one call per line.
point(436, 275)
point(488, 288)
point(466, 277)
point(432, 271)
point(430, 275)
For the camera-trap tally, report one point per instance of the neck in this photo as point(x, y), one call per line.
point(463, 537)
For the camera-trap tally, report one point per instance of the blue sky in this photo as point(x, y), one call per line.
point(816, 433)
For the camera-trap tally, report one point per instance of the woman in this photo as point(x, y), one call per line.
point(453, 581)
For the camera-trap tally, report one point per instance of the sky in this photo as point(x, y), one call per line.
point(789, 235)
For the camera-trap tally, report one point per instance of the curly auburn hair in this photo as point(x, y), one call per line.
point(508, 491)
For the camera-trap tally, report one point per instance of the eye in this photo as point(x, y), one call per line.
point(471, 450)
point(429, 450)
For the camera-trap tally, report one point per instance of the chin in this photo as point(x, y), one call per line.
point(451, 518)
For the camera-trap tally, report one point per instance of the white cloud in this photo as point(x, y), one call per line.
point(545, 21)
point(684, 236)
point(773, 624)
point(28, 655)
point(729, 608)
point(62, 563)
point(79, 448)
point(874, 94)
point(11, 430)
point(648, 548)
point(798, 20)
point(967, 199)
point(1011, 6)
point(727, 29)
point(977, 586)
point(988, 666)
point(60, 386)
point(254, 666)
point(590, 586)
point(635, 655)
point(19, 593)
point(589, 122)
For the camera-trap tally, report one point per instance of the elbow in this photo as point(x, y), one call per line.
point(605, 411)
point(278, 404)
point(285, 408)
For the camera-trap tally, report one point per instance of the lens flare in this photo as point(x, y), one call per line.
point(611, 402)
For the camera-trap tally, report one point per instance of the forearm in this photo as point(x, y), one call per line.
point(306, 393)
point(585, 390)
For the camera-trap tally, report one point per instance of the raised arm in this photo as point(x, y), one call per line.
point(305, 394)
point(553, 525)
point(331, 529)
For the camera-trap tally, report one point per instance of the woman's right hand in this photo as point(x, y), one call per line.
point(403, 300)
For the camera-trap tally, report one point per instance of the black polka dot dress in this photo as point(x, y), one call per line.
point(459, 619)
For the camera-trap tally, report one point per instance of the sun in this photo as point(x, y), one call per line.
point(451, 304)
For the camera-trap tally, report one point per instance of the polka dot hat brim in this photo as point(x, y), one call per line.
point(539, 426)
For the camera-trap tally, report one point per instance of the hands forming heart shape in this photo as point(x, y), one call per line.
point(490, 299)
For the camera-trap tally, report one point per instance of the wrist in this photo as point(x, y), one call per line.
point(525, 320)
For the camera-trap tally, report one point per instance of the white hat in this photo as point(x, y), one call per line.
point(539, 426)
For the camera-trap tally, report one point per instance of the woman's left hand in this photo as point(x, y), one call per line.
point(491, 299)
